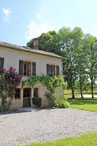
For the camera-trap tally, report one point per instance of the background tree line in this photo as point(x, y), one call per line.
point(80, 56)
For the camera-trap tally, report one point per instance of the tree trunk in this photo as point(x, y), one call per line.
point(73, 96)
point(81, 93)
point(92, 89)
point(3, 105)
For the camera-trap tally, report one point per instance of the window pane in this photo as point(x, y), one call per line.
point(50, 70)
point(27, 92)
point(29, 69)
point(53, 70)
point(17, 94)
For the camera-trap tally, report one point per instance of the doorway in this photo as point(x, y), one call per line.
point(27, 97)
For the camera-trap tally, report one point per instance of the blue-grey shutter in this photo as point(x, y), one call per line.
point(34, 68)
point(57, 70)
point(1, 64)
point(21, 67)
point(47, 69)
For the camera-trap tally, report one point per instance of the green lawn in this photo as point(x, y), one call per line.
point(83, 140)
point(84, 104)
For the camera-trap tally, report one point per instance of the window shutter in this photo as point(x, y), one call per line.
point(47, 69)
point(34, 68)
point(1, 64)
point(21, 67)
point(57, 70)
point(53, 70)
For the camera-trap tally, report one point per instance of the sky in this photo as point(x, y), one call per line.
point(21, 20)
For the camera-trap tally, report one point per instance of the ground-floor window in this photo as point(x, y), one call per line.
point(17, 93)
point(35, 92)
point(27, 92)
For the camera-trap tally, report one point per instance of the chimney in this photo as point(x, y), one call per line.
point(35, 43)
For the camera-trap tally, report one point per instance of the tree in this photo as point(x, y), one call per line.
point(81, 69)
point(70, 41)
point(47, 42)
point(91, 48)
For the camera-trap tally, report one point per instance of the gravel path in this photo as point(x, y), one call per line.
point(45, 125)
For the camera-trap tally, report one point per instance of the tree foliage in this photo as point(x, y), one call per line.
point(91, 60)
point(80, 56)
point(71, 41)
point(47, 42)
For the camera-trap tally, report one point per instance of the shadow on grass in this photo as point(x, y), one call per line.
point(82, 101)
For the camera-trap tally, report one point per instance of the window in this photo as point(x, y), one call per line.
point(52, 70)
point(17, 93)
point(27, 68)
point(1, 64)
point(35, 92)
point(27, 92)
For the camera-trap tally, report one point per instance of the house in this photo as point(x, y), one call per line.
point(28, 61)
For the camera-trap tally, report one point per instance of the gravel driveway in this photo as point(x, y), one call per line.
point(45, 125)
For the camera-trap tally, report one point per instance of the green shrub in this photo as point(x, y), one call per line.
point(37, 101)
point(51, 98)
point(62, 104)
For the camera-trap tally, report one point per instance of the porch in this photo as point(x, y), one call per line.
point(23, 97)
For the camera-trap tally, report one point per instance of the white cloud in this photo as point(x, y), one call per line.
point(38, 15)
point(6, 13)
point(35, 30)
point(41, 11)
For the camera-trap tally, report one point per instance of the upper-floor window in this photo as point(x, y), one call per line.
point(1, 64)
point(52, 70)
point(27, 68)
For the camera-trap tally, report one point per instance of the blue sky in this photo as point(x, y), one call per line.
point(21, 20)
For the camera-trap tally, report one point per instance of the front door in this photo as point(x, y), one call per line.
point(27, 97)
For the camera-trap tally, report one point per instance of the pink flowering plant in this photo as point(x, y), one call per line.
point(12, 78)
point(9, 81)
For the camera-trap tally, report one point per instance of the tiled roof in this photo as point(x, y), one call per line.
point(28, 49)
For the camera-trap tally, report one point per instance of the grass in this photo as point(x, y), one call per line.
point(77, 92)
point(84, 104)
point(83, 140)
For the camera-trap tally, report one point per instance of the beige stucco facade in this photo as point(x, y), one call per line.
point(12, 57)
